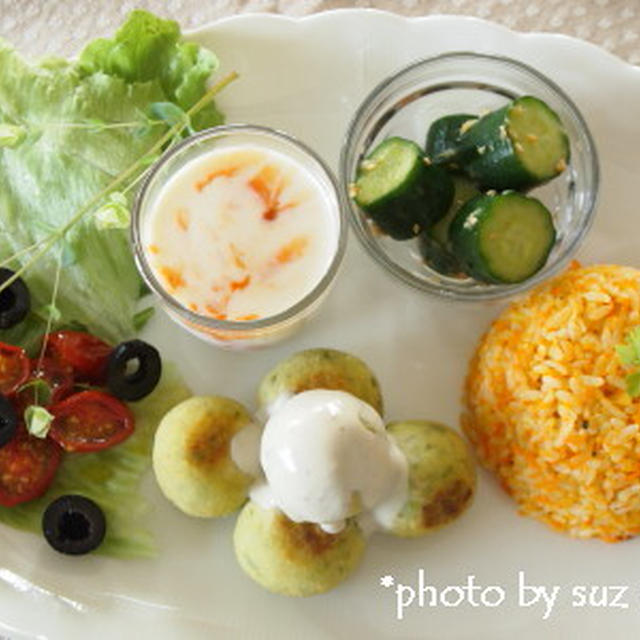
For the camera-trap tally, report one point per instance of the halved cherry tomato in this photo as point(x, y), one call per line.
point(89, 421)
point(85, 354)
point(27, 467)
point(58, 378)
point(14, 368)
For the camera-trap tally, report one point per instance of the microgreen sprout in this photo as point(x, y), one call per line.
point(629, 354)
point(37, 420)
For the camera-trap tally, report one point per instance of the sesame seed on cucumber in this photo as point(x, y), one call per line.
point(399, 190)
point(518, 146)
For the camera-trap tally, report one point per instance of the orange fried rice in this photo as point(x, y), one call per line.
point(546, 404)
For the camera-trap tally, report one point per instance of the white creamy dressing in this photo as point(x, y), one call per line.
point(326, 456)
point(245, 449)
point(241, 232)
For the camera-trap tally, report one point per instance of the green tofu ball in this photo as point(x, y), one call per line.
point(320, 369)
point(442, 476)
point(192, 458)
point(294, 558)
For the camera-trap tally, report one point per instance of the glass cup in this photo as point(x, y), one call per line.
point(235, 334)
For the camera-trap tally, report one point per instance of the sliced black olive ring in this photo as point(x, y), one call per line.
point(133, 370)
point(15, 300)
point(8, 420)
point(74, 524)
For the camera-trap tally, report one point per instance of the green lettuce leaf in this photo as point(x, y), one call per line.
point(147, 48)
point(58, 168)
point(112, 478)
point(69, 129)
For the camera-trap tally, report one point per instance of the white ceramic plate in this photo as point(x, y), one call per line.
point(307, 77)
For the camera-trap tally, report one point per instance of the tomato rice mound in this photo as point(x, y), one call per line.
point(546, 405)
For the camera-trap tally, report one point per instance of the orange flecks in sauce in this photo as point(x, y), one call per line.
point(248, 317)
point(237, 285)
point(264, 184)
point(182, 219)
point(154, 248)
point(173, 277)
point(193, 306)
point(279, 209)
point(215, 312)
point(218, 308)
point(226, 172)
point(268, 184)
point(238, 257)
point(292, 250)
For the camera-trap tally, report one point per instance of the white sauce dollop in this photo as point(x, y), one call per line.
point(326, 456)
point(245, 449)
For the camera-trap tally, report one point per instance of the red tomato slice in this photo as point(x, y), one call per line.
point(59, 380)
point(14, 368)
point(89, 421)
point(27, 467)
point(85, 354)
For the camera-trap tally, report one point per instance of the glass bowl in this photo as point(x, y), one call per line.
point(406, 103)
point(299, 163)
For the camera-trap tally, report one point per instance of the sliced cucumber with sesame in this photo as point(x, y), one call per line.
point(464, 190)
point(518, 146)
point(387, 184)
point(398, 191)
point(434, 244)
point(443, 140)
point(503, 238)
point(392, 170)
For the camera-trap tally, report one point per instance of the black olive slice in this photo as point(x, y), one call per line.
point(8, 420)
point(15, 300)
point(74, 525)
point(133, 370)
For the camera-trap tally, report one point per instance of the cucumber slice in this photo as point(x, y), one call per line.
point(463, 190)
point(438, 193)
point(392, 170)
point(443, 139)
point(388, 185)
point(503, 238)
point(398, 191)
point(434, 244)
point(439, 258)
point(521, 145)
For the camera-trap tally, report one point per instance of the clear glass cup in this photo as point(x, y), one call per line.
point(264, 330)
point(406, 103)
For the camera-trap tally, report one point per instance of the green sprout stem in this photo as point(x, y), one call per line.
point(17, 254)
point(54, 298)
point(101, 126)
point(120, 179)
point(134, 182)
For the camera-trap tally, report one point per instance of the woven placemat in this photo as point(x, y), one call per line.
point(46, 27)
